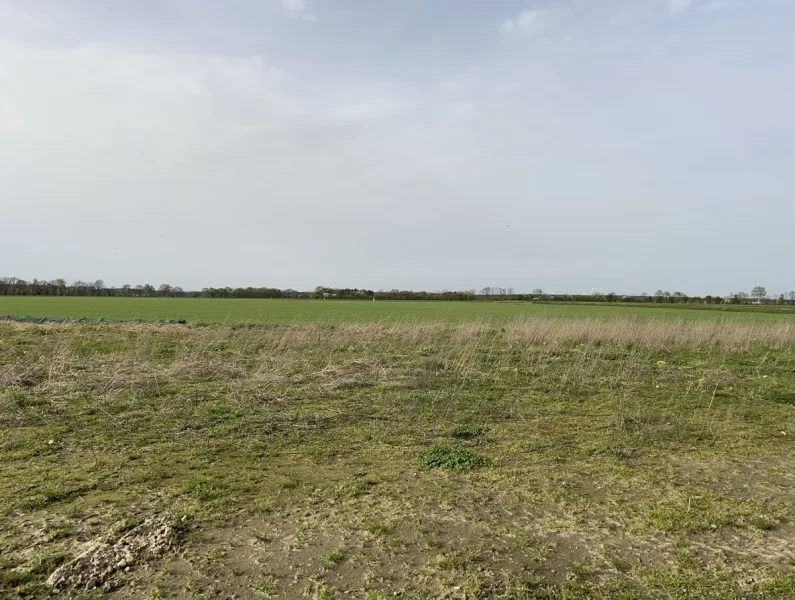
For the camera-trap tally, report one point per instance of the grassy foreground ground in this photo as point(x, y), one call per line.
point(585, 458)
point(291, 312)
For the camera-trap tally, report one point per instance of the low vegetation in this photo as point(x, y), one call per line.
point(544, 458)
point(241, 312)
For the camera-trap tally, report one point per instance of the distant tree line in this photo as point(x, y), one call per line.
point(12, 286)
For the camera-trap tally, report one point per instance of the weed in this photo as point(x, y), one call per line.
point(447, 561)
point(335, 556)
point(458, 459)
point(266, 586)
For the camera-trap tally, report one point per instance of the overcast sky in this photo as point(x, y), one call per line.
point(425, 144)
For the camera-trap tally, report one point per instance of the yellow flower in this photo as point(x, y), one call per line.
point(782, 433)
point(51, 442)
point(701, 380)
point(764, 376)
point(660, 362)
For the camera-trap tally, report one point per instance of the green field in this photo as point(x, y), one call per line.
point(217, 311)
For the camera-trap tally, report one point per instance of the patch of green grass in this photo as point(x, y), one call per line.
point(381, 527)
point(467, 432)
point(782, 397)
point(447, 561)
point(286, 483)
point(266, 586)
point(449, 457)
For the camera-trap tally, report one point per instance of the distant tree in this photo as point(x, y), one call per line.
point(538, 292)
point(759, 292)
point(165, 290)
point(148, 290)
point(791, 296)
point(177, 290)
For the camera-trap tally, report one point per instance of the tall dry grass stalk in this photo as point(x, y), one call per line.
point(654, 334)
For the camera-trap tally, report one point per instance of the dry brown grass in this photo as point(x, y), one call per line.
point(663, 334)
point(356, 355)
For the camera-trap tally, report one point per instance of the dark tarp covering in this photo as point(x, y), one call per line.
point(85, 320)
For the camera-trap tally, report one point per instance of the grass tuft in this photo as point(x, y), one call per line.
point(467, 432)
point(782, 397)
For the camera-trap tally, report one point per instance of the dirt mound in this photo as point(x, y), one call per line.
point(101, 564)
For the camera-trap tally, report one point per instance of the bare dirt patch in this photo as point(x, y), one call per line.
point(103, 564)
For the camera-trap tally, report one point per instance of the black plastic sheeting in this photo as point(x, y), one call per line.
point(26, 319)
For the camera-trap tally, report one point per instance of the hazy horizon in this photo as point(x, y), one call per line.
point(627, 146)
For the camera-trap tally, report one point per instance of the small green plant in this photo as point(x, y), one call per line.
point(325, 592)
point(579, 570)
point(265, 586)
point(457, 459)
point(467, 432)
point(335, 556)
point(447, 561)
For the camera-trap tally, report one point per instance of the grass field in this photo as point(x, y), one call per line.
point(533, 458)
point(216, 311)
